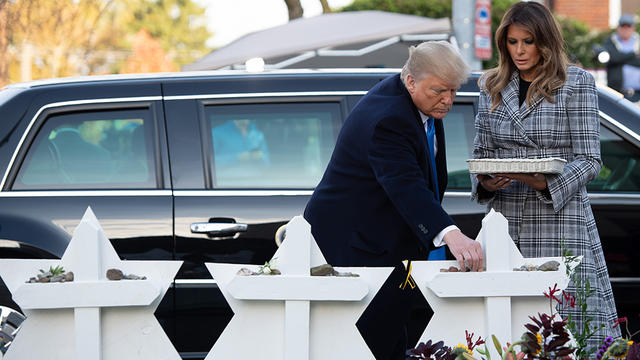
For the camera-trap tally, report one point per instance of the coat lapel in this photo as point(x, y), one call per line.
point(511, 102)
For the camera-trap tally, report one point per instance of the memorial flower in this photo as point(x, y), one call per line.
point(269, 268)
point(619, 348)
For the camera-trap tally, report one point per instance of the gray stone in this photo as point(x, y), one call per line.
point(56, 278)
point(345, 274)
point(322, 270)
point(245, 272)
point(134, 277)
point(68, 276)
point(551, 265)
point(114, 274)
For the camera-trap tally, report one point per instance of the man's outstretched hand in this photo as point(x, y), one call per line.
point(465, 250)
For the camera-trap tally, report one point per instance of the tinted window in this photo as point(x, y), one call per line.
point(621, 165)
point(110, 149)
point(459, 133)
point(271, 145)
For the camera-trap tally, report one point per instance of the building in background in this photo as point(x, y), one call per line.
point(598, 14)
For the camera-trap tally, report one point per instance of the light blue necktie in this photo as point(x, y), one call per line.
point(437, 254)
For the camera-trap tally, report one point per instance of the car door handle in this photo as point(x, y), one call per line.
point(218, 228)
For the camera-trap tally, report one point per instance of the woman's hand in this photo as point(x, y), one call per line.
point(536, 181)
point(494, 183)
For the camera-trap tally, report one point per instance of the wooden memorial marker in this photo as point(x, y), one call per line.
point(497, 301)
point(90, 317)
point(295, 316)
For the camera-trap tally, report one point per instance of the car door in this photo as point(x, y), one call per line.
point(106, 153)
point(243, 165)
point(459, 133)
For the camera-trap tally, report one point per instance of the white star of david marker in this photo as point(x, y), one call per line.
point(295, 316)
point(90, 317)
point(497, 301)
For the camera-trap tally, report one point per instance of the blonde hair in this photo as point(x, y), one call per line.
point(438, 58)
point(547, 37)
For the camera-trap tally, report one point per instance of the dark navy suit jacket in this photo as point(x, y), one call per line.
point(376, 203)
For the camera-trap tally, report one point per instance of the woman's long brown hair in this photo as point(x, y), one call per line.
point(552, 68)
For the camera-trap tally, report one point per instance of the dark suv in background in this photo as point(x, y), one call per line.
point(155, 158)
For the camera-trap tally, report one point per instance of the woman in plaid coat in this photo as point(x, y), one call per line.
point(535, 105)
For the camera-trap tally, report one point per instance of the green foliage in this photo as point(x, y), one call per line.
point(427, 8)
point(578, 40)
point(58, 270)
point(583, 292)
point(179, 25)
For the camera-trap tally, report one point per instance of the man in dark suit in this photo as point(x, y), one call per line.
point(379, 201)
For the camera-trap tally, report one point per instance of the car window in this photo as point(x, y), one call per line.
point(84, 150)
point(284, 145)
point(459, 133)
point(620, 165)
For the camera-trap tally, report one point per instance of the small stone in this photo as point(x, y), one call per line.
point(346, 274)
point(322, 270)
point(56, 278)
point(44, 275)
point(275, 272)
point(453, 269)
point(114, 274)
point(244, 272)
point(68, 276)
point(551, 265)
point(133, 277)
point(43, 279)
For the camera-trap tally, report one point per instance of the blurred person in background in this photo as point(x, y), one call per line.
point(623, 67)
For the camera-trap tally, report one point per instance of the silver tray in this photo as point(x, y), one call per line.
point(494, 166)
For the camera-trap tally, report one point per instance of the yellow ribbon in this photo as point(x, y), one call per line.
point(409, 280)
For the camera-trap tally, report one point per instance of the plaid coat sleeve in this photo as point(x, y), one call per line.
point(483, 146)
point(583, 127)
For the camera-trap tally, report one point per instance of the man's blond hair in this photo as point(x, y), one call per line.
point(439, 58)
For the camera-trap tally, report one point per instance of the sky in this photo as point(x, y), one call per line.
point(230, 19)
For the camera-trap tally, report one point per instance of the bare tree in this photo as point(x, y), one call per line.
point(295, 9)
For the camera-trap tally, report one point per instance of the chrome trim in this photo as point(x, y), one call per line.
point(72, 193)
point(242, 192)
point(633, 280)
point(458, 194)
point(66, 103)
point(620, 126)
point(468, 93)
point(217, 228)
point(186, 74)
point(191, 283)
point(265, 94)
point(596, 195)
point(622, 196)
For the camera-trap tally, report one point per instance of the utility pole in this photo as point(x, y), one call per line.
point(463, 13)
